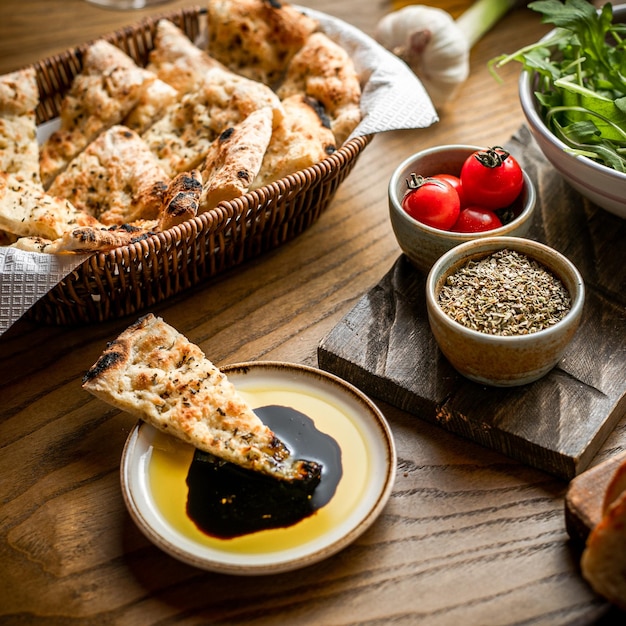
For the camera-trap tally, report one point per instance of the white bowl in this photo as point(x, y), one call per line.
point(497, 360)
point(423, 244)
point(602, 185)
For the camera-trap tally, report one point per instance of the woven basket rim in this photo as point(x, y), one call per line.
point(231, 209)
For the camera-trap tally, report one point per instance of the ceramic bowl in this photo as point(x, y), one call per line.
point(496, 360)
point(600, 184)
point(422, 244)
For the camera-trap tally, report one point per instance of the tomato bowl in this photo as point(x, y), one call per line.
point(604, 186)
point(424, 244)
point(493, 337)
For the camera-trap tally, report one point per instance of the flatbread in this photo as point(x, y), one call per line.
point(19, 97)
point(182, 200)
point(256, 38)
point(603, 559)
point(615, 487)
point(153, 103)
point(27, 211)
point(108, 88)
point(156, 374)
point(88, 239)
point(324, 71)
point(234, 159)
point(132, 140)
point(19, 94)
point(116, 179)
point(176, 60)
point(182, 138)
point(302, 139)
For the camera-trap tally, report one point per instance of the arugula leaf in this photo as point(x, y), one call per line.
point(579, 74)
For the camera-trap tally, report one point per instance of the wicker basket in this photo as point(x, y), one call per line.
point(131, 278)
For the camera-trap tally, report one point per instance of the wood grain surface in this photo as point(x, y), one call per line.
point(469, 535)
point(384, 345)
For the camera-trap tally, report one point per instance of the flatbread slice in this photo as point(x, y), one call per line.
point(156, 374)
point(303, 138)
point(256, 38)
point(108, 88)
point(182, 138)
point(88, 239)
point(615, 487)
point(234, 159)
point(182, 199)
point(323, 70)
point(27, 211)
point(116, 179)
point(176, 60)
point(19, 97)
point(603, 559)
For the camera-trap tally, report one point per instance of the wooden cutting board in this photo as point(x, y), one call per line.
point(384, 345)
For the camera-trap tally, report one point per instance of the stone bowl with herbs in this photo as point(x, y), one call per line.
point(572, 92)
point(446, 195)
point(504, 309)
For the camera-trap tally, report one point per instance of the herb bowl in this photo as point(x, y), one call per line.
point(600, 184)
point(495, 359)
point(423, 244)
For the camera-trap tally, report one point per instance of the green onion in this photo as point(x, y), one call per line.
point(481, 17)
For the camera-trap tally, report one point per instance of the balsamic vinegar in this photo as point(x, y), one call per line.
point(227, 501)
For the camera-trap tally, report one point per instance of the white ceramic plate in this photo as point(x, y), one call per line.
point(154, 468)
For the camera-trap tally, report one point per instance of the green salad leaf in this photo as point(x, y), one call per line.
point(580, 78)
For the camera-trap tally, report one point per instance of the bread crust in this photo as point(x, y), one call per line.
point(182, 199)
point(176, 60)
point(302, 139)
point(87, 239)
point(234, 159)
point(256, 38)
point(324, 71)
point(603, 562)
point(615, 488)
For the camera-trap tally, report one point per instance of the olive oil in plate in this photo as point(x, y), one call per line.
point(171, 459)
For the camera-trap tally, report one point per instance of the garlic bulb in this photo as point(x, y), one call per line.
point(433, 46)
point(436, 47)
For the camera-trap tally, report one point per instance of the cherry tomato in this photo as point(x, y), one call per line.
point(476, 219)
point(453, 180)
point(491, 178)
point(432, 202)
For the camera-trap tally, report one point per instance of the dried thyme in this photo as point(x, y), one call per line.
point(506, 293)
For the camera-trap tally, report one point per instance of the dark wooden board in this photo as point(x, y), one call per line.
point(384, 345)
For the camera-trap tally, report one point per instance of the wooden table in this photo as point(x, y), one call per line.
point(468, 536)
